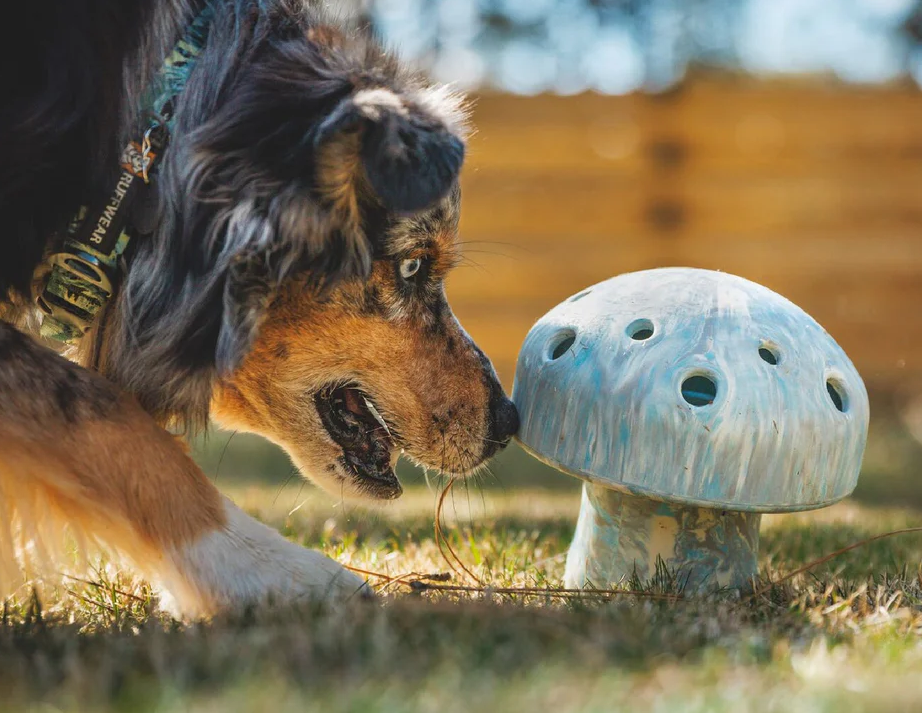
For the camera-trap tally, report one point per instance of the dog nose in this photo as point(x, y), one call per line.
point(505, 421)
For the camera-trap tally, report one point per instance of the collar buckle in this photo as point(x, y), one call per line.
point(78, 287)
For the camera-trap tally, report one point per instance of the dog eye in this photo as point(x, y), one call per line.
point(410, 267)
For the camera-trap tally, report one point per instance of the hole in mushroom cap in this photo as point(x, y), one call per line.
point(699, 390)
point(584, 293)
point(640, 329)
point(836, 391)
point(561, 343)
point(769, 353)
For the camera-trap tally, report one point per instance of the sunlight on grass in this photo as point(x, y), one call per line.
point(845, 634)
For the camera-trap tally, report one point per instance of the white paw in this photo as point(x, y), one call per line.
point(248, 563)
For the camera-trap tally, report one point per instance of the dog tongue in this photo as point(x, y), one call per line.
point(354, 401)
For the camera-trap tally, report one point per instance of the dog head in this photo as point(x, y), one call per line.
point(309, 217)
point(346, 380)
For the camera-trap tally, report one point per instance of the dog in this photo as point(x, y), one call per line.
point(283, 275)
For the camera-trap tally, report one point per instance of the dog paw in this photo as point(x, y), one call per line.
point(248, 563)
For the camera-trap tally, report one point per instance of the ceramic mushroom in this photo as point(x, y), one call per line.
point(689, 402)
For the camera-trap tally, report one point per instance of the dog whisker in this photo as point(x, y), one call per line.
point(293, 471)
point(500, 243)
point(221, 459)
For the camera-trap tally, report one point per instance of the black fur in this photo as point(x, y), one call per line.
point(410, 160)
point(38, 385)
point(61, 84)
point(241, 205)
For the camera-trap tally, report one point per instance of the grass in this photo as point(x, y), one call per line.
point(845, 635)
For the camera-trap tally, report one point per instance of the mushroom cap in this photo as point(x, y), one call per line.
point(696, 387)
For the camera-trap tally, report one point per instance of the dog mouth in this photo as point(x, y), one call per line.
point(356, 425)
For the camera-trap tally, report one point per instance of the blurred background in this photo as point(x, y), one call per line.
point(780, 140)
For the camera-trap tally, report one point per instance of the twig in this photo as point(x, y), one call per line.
point(422, 586)
point(832, 555)
point(100, 585)
point(423, 582)
point(440, 537)
point(86, 600)
point(400, 578)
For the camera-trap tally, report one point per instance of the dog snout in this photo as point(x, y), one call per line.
point(501, 413)
point(504, 424)
point(505, 420)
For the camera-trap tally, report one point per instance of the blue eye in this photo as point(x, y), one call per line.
point(410, 267)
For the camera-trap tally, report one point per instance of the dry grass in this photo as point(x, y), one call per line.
point(846, 634)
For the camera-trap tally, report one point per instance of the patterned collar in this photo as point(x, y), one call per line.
point(84, 275)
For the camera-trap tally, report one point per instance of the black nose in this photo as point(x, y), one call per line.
point(504, 417)
point(505, 421)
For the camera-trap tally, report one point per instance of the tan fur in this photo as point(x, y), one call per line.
point(119, 481)
point(123, 484)
point(81, 457)
point(427, 378)
point(339, 179)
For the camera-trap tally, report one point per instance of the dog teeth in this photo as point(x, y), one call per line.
point(378, 418)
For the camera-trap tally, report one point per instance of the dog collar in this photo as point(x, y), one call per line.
point(83, 275)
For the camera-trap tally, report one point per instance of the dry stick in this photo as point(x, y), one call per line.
point(100, 585)
point(410, 577)
point(537, 591)
point(86, 600)
point(832, 555)
point(438, 531)
point(420, 584)
point(440, 539)
point(440, 536)
point(443, 544)
point(423, 583)
point(369, 573)
point(400, 578)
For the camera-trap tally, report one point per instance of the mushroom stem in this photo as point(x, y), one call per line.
point(619, 534)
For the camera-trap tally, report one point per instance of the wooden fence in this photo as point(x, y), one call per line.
point(814, 191)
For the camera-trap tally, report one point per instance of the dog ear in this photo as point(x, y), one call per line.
point(407, 151)
point(247, 291)
point(176, 324)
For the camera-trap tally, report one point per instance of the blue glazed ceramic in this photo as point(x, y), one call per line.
point(689, 401)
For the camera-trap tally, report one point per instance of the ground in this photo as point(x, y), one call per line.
point(849, 633)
